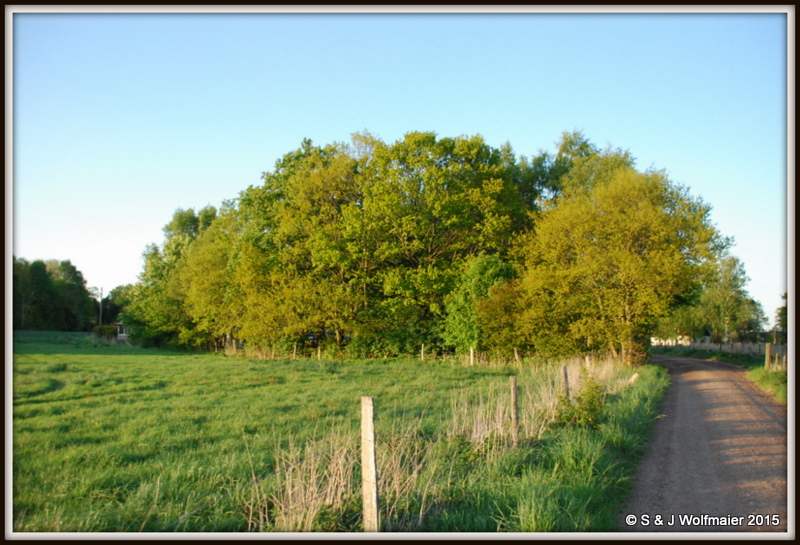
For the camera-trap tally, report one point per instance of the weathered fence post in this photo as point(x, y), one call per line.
point(768, 355)
point(294, 352)
point(472, 356)
point(566, 381)
point(516, 354)
point(369, 467)
point(514, 411)
point(422, 352)
point(319, 352)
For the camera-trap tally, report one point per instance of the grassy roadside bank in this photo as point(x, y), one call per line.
point(121, 439)
point(773, 382)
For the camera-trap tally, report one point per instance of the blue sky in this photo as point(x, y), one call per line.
point(121, 118)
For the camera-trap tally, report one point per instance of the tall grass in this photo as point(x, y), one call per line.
point(468, 476)
point(116, 438)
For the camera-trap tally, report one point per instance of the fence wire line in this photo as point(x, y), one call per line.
point(296, 507)
point(318, 496)
point(254, 482)
point(248, 485)
point(245, 486)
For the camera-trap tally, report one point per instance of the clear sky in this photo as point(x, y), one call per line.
point(121, 118)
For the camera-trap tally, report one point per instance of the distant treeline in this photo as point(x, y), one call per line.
point(373, 249)
point(52, 295)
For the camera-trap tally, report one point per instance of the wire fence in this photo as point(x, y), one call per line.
point(488, 421)
point(252, 482)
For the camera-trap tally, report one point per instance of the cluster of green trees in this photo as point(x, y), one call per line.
point(723, 311)
point(780, 331)
point(375, 249)
point(50, 295)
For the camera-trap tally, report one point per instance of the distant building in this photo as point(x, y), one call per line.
point(122, 337)
point(682, 340)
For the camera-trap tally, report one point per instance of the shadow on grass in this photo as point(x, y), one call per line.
point(40, 387)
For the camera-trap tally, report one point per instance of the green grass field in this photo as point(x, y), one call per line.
point(122, 439)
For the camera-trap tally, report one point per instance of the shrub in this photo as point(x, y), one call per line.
point(587, 410)
point(105, 331)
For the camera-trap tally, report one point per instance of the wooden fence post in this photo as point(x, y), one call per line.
point(369, 467)
point(422, 352)
point(566, 381)
point(319, 352)
point(514, 411)
point(472, 356)
point(768, 355)
point(516, 354)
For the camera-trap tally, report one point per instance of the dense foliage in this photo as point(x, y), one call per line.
point(51, 295)
point(780, 329)
point(614, 253)
point(374, 249)
point(722, 310)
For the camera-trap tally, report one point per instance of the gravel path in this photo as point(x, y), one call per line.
point(718, 453)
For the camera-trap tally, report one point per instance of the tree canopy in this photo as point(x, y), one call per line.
point(374, 248)
point(612, 254)
point(51, 295)
point(722, 311)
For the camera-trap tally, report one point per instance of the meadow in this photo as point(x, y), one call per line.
point(111, 438)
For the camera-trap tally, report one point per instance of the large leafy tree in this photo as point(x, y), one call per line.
point(780, 328)
point(723, 310)
point(463, 326)
point(429, 206)
point(115, 302)
point(22, 293)
point(552, 172)
point(498, 316)
point(50, 295)
point(611, 255)
point(203, 281)
point(724, 297)
point(364, 241)
point(296, 263)
point(157, 313)
point(74, 303)
point(729, 312)
point(153, 318)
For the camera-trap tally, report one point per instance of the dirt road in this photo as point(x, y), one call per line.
point(717, 459)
